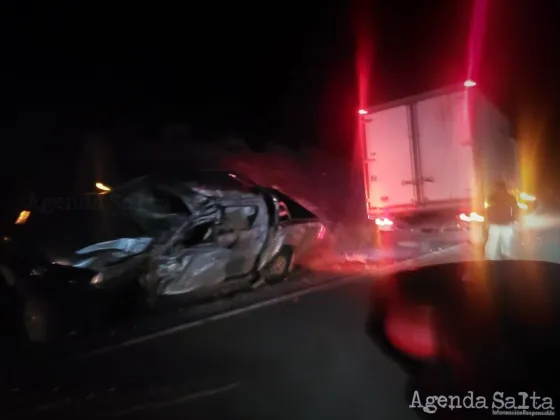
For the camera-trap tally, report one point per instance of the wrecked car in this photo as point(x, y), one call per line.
point(149, 239)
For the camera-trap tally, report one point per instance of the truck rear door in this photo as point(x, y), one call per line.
point(388, 158)
point(445, 149)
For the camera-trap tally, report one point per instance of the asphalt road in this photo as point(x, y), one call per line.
point(302, 358)
point(305, 358)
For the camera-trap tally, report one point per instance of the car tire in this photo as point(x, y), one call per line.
point(41, 320)
point(278, 269)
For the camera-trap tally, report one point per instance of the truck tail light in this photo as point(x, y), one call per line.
point(383, 221)
point(471, 217)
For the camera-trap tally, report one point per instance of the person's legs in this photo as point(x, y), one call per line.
point(506, 238)
point(492, 248)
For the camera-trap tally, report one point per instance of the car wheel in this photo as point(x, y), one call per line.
point(40, 320)
point(278, 269)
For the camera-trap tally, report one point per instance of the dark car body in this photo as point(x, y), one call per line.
point(483, 325)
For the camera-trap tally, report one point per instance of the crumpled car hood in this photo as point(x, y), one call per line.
point(87, 239)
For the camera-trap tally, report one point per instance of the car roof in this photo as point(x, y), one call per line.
point(212, 178)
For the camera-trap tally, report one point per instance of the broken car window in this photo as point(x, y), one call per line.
point(169, 202)
point(240, 218)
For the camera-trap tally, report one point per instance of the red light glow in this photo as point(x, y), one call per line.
point(383, 221)
point(470, 83)
point(362, 112)
point(412, 331)
point(321, 234)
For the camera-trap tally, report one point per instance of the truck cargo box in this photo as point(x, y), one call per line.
point(435, 150)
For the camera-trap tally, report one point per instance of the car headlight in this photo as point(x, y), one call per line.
point(62, 262)
point(97, 279)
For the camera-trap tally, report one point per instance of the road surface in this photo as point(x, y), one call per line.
point(303, 358)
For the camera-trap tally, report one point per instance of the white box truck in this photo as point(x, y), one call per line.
point(430, 162)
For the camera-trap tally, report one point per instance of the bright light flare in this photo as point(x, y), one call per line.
point(97, 279)
point(23, 216)
point(536, 221)
point(527, 197)
point(473, 217)
point(383, 221)
point(102, 187)
point(322, 232)
point(469, 83)
point(362, 111)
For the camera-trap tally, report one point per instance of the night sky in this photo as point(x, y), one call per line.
point(278, 71)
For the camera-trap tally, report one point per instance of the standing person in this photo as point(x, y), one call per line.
point(502, 213)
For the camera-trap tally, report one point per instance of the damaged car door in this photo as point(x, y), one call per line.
point(245, 228)
point(186, 256)
point(214, 250)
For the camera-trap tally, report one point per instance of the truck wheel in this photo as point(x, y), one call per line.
point(41, 321)
point(278, 269)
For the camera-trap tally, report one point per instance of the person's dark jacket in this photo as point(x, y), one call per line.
point(502, 209)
